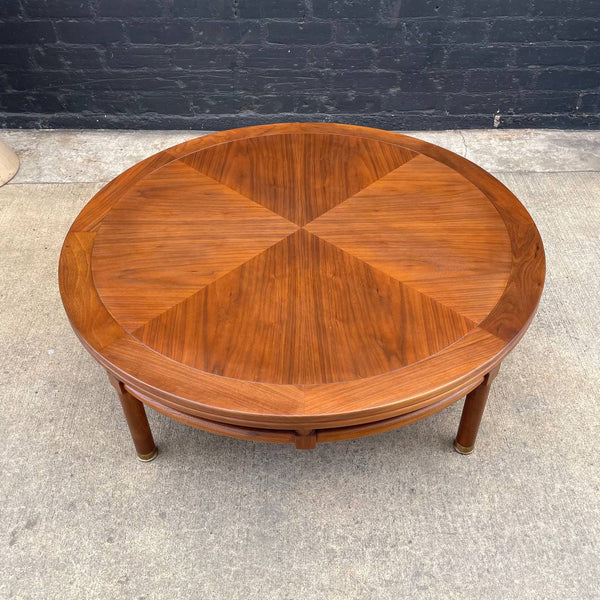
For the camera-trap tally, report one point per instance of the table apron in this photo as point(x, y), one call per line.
point(290, 435)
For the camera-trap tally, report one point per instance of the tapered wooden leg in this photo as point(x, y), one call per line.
point(472, 413)
point(137, 421)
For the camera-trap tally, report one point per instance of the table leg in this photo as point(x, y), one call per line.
point(472, 413)
point(137, 422)
point(306, 439)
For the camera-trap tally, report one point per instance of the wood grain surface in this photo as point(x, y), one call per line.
point(302, 278)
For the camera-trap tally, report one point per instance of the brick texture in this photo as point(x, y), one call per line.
point(214, 64)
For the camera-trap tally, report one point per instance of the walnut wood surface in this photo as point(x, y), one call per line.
point(309, 278)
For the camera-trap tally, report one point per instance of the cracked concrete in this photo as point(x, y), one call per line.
point(465, 150)
point(66, 156)
point(398, 515)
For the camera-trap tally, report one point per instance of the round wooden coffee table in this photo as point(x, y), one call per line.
point(301, 283)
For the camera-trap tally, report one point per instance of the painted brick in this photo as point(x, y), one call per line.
point(413, 101)
point(592, 55)
point(485, 57)
point(169, 104)
point(269, 9)
point(161, 32)
point(13, 8)
point(89, 32)
point(425, 33)
point(26, 32)
point(568, 79)
point(282, 32)
point(409, 58)
point(219, 33)
point(30, 102)
point(228, 63)
point(417, 8)
point(346, 9)
point(138, 57)
point(289, 104)
point(370, 32)
point(206, 9)
point(366, 81)
point(490, 104)
point(16, 57)
point(579, 30)
point(495, 8)
point(589, 103)
point(275, 57)
point(468, 32)
point(68, 58)
point(131, 8)
point(358, 58)
point(203, 59)
point(523, 30)
point(55, 8)
point(499, 79)
point(560, 8)
point(550, 55)
point(440, 81)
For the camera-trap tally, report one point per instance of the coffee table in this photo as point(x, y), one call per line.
point(301, 283)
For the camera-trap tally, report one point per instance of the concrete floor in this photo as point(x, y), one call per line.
point(399, 515)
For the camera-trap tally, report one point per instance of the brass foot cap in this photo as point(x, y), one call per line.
point(463, 449)
point(148, 457)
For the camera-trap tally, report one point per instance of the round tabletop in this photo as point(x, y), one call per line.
point(301, 275)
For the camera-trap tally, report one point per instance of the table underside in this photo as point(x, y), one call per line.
point(307, 436)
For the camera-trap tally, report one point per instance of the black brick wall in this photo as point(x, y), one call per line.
point(213, 64)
